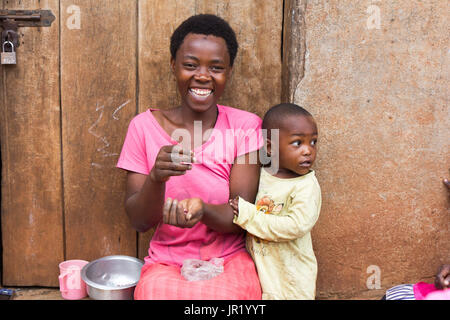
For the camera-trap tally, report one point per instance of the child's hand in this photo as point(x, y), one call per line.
point(442, 280)
point(234, 203)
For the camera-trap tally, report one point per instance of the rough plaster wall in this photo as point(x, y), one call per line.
point(380, 97)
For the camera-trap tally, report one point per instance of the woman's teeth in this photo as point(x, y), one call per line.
point(201, 92)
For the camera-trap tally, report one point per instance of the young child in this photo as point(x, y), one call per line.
point(287, 207)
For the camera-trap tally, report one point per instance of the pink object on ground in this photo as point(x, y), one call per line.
point(439, 295)
point(427, 291)
point(71, 285)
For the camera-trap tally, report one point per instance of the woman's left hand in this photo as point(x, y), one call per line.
point(183, 214)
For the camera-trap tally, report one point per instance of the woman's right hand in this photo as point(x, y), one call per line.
point(171, 160)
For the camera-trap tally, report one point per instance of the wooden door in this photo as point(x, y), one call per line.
point(32, 199)
point(65, 109)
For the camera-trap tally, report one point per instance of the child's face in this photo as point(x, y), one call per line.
point(201, 67)
point(297, 146)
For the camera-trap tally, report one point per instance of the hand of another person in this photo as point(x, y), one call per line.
point(447, 183)
point(234, 203)
point(442, 280)
point(183, 214)
point(171, 161)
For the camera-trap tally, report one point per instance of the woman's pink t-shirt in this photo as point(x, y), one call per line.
point(235, 133)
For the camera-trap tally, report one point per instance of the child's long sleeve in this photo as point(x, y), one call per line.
point(291, 223)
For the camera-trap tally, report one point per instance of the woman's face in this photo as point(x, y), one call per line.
point(201, 68)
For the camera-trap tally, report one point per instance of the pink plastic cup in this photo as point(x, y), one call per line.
point(71, 285)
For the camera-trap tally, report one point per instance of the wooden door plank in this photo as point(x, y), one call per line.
point(294, 47)
point(256, 81)
point(32, 228)
point(98, 89)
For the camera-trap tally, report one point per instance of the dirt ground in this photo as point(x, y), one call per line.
point(39, 293)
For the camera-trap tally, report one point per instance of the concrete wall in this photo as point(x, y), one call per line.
point(376, 77)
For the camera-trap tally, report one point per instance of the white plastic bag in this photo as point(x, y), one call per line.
point(195, 270)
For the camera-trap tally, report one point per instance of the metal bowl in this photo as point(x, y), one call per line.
point(112, 277)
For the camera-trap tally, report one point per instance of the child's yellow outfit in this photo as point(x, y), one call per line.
point(278, 234)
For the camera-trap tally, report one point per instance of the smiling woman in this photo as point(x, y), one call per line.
point(202, 68)
point(187, 201)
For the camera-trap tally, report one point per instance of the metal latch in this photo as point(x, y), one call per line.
point(11, 20)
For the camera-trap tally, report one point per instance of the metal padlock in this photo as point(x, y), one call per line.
point(8, 57)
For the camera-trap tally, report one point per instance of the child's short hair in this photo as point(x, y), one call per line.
point(275, 115)
point(206, 24)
